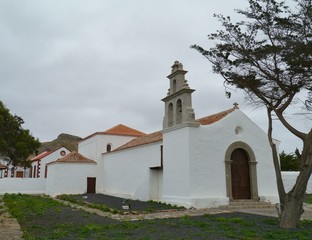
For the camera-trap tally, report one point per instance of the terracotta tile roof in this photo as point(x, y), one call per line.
point(157, 136)
point(73, 157)
point(149, 138)
point(41, 155)
point(215, 117)
point(2, 166)
point(119, 129)
point(45, 153)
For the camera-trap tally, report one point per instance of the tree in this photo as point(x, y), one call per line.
point(268, 56)
point(289, 162)
point(16, 143)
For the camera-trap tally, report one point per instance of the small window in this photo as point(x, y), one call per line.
point(108, 147)
point(170, 115)
point(174, 86)
point(179, 111)
point(46, 172)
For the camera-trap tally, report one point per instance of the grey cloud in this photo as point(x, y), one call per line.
point(80, 66)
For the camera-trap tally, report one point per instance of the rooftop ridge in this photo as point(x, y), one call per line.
point(73, 157)
point(146, 139)
point(158, 136)
point(120, 130)
point(215, 117)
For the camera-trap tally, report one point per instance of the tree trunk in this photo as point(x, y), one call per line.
point(292, 206)
point(291, 211)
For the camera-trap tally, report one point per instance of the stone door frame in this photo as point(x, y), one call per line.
point(252, 169)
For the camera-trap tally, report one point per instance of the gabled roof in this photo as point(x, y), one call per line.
point(41, 155)
point(120, 130)
point(158, 136)
point(2, 166)
point(215, 117)
point(148, 138)
point(73, 157)
point(44, 154)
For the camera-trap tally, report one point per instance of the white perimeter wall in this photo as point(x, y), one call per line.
point(289, 179)
point(127, 173)
point(69, 178)
point(23, 185)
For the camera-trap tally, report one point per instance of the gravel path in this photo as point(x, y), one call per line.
point(167, 212)
point(10, 229)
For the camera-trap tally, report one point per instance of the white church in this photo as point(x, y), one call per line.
point(191, 162)
point(199, 163)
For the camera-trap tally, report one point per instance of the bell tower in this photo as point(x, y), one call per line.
point(178, 102)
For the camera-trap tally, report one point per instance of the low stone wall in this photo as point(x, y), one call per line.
point(23, 185)
point(289, 179)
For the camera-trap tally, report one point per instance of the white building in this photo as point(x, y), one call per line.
point(192, 162)
point(3, 170)
point(39, 168)
point(7, 170)
point(82, 180)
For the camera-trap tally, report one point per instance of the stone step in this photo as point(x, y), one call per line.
point(238, 204)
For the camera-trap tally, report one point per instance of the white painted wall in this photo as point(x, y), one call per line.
point(207, 168)
point(194, 161)
point(176, 175)
point(95, 146)
point(23, 185)
point(209, 145)
point(69, 178)
point(126, 173)
point(289, 179)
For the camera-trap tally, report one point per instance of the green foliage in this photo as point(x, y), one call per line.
point(289, 162)
point(16, 143)
point(309, 199)
point(23, 205)
point(70, 198)
point(76, 199)
point(44, 218)
point(269, 55)
point(153, 206)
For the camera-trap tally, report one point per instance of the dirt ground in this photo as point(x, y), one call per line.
point(163, 224)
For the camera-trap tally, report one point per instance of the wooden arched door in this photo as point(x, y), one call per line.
point(240, 174)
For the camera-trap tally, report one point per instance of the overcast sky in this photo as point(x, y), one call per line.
point(81, 66)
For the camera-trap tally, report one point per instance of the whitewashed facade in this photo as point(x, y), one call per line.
point(39, 163)
point(71, 174)
point(189, 162)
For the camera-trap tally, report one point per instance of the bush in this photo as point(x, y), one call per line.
point(289, 162)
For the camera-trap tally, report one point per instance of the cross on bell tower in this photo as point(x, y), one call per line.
point(178, 102)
